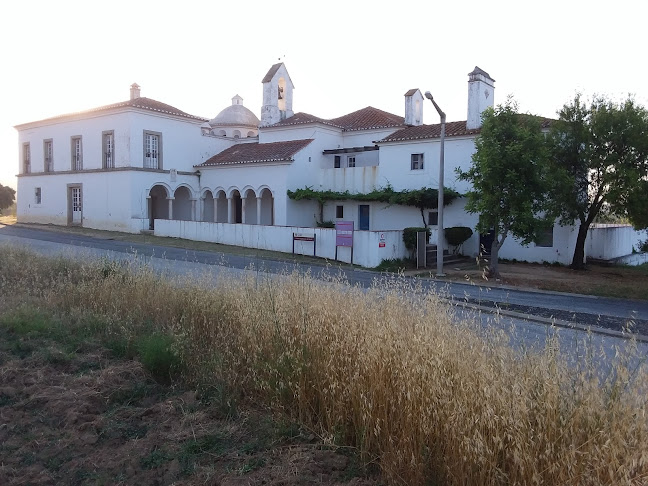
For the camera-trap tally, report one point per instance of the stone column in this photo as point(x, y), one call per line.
point(170, 199)
point(230, 210)
point(193, 210)
point(215, 210)
point(243, 205)
point(258, 210)
point(201, 201)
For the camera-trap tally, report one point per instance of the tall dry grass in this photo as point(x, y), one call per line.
point(391, 371)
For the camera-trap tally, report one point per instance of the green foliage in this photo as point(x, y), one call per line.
point(456, 235)
point(409, 236)
point(509, 177)
point(157, 356)
point(422, 199)
point(643, 246)
point(7, 197)
point(326, 224)
point(394, 265)
point(600, 162)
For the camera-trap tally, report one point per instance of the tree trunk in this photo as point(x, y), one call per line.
point(493, 269)
point(578, 262)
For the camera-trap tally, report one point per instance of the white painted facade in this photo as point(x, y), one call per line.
point(245, 202)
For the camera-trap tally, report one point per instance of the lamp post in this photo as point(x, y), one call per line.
point(440, 232)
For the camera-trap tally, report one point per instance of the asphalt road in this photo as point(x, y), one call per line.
point(606, 315)
point(526, 326)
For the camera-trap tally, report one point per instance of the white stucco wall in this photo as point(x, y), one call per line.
point(395, 163)
point(367, 251)
point(609, 241)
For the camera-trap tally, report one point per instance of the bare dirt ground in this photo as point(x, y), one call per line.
point(85, 417)
point(611, 281)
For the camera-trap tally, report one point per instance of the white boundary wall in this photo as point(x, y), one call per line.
point(367, 251)
point(609, 241)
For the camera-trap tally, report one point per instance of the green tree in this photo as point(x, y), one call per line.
point(600, 163)
point(509, 177)
point(7, 197)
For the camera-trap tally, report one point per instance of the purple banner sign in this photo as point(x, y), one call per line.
point(344, 233)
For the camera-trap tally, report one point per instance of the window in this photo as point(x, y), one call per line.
point(77, 154)
point(417, 161)
point(237, 134)
point(350, 161)
point(545, 239)
point(48, 153)
point(339, 211)
point(37, 195)
point(26, 159)
point(337, 164)
point(108, 148)
point(152, 150)
point(433, 218)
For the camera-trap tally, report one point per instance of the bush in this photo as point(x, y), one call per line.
point(409, 236)
point(643, 246)
point(326, 224)
point(457, 235)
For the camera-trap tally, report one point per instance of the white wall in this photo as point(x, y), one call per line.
point(609, 241)
point(395, 163)
point(367, 251)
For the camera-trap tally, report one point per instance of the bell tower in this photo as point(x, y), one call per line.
point(277, 95)
point(481, 88)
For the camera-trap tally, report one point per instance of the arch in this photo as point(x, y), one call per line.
point(250, 205)
point(251, 134)
point(231, 190)
point(247, 189)
point(182, 204)
point(266, 216)
point(192, 193)
point(236, 133)
point(222, 133)
point(157, 203)
point(207, 206)
point(236, 215)
point(221, 207)
point(167, 189)
point(281, 94)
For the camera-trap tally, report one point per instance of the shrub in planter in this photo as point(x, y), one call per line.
point(457, 235)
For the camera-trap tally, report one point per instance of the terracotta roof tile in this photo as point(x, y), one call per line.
point(453, 129)
point(368, 118)
point(141, 103)
point(365, 119)
point(248, 153)
point(411, 92)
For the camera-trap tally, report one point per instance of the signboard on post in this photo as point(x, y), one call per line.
point(344, 236)
point(301, 237)
point(381, 242)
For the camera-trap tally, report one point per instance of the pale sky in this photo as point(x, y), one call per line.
point(63, 56)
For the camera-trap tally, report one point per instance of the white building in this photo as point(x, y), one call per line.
point(142, 165)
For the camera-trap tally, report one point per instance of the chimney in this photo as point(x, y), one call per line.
point(413, 107)
point(134, 91)
point(481, 91)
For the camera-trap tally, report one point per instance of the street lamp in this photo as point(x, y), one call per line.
point(440, 232)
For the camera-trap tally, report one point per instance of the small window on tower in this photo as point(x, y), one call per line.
point(337, 162)
point(351, 162)
point(339, 211)
point(37, 195)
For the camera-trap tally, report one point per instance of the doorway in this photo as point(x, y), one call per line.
point(363, 217)
point(75, 205)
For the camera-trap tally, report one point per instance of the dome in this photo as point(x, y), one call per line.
point(237, 114)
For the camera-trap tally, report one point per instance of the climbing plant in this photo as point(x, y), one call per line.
point(424, 198)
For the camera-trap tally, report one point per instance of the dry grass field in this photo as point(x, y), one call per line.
point(427, 399)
